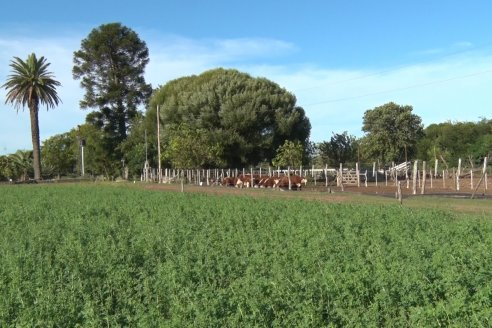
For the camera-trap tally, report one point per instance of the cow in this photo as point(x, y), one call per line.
point(246, 181)
point(267, 182)
point(296, 182)
point(228, 182)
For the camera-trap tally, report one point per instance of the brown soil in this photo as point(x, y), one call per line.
point(320, 191)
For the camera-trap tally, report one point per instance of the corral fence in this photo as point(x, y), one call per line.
point(417, 175)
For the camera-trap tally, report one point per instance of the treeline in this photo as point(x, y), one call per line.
point(446, 142)
point(220, 118)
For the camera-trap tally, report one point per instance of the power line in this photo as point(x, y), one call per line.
point(399, 67)
point(400, 89)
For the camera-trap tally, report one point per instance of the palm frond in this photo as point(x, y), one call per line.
point(30, 84)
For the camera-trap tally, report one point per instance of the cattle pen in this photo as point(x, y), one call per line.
point(409, 178)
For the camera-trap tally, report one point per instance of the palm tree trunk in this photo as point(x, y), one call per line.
point(36, 149)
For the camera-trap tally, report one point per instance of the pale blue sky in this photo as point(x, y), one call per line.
point(340, 58)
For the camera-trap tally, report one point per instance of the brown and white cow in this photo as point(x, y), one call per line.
point(296, 182)
point(266, 182)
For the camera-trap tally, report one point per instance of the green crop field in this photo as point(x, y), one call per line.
point(99, 255)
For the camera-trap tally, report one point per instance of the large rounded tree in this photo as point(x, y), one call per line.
point(242, 120)
point(392, 132)
point(31, 85)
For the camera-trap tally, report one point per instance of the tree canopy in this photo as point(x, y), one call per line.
point(392, 132)
point(111, 64)
point(289, 154)
point(241, 120)
point(450, 141)
point(340, 149)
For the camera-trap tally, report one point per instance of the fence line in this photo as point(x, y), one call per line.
point(420, 175)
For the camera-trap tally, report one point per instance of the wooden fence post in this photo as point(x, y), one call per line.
point(458, 173)
point(341, 175)
point(484, 175)
point(398, 192)
point(414, 177)
point(423, 178)
point(357, 173)
point(326, 175)
point(288, 175)
point(485, 170)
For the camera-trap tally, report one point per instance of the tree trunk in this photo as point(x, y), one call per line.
point(36, 149)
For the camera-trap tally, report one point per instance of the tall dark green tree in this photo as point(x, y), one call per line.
point(244, 119)
point(392, 132)
point(111, 64)
point(31, 85)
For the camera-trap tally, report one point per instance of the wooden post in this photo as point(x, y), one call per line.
point(288, 175)
point(484, 175)
point(485, 171)
point(393, 171)
point(435, 168)
point(423, 178)
point(443, 180)
point(357, 173)
point(313, 176)
point(341, 176)
point(406, 175)
point(471, 179)
point(386, 178)
point(454, 178)
point(458, 173)
point(398, 192)
point(414, 177)
point(326, 174)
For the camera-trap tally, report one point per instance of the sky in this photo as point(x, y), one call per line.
point(339, 58)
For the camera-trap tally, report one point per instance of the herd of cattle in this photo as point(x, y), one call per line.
point(263, 181)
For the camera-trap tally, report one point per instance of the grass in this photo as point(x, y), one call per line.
point(106, 255)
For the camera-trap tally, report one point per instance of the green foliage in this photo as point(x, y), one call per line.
point(134, 147)
point(16, 166)
point(193, 148)
point(392, 132)
point(59, 154)
point(289, 154)
point(249, 117)
point(31, 85)
point(71, 257)
point(96, 160)
point(450, 141)
point(111, 65)
point(342, 148)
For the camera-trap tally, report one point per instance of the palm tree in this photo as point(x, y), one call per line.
point(30, 84)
